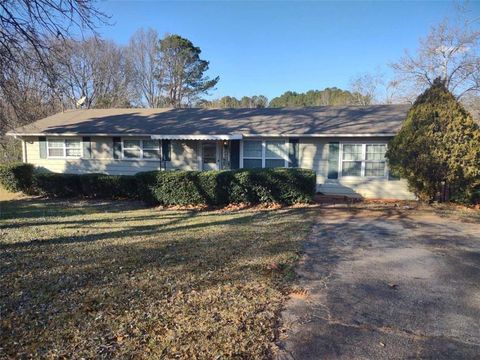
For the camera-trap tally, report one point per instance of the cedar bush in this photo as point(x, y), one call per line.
point(438, 147)
point(16, 177)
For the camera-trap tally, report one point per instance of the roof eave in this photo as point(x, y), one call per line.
point(208, 136)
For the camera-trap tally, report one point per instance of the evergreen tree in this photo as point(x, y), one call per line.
point(181, 71)
point(328, 96)
point(438, 147)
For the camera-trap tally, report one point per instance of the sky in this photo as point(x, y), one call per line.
point(270, 47)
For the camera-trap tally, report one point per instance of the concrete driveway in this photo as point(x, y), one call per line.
point(386, 284)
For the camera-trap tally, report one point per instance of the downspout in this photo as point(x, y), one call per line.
point(24, 151)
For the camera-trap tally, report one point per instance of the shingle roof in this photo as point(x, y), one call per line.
point(334, 120)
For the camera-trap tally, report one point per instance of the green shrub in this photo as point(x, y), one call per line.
point(57, 185)
point(16, 177)
point(98, 186)
point(103, 186)
point(179, 188)
point(145, 183)
point(285, 186)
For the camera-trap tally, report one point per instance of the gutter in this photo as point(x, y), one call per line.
point(206, 137)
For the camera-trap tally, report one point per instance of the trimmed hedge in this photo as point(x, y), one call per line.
point(16, 177)
point(99, 186)
point(284, 186)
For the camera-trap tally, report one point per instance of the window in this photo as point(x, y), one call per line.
point(363, 160)
point(352, 160)
point(252, 154)
point(151, 149)
point(64, 148)
point(141, 149)
point(264, 154)
point(375, 160)
point(274, 154)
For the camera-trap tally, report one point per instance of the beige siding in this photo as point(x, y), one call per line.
point(184, 156)
point(313, 154)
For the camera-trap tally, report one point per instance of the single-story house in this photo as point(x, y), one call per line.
point(345, 145)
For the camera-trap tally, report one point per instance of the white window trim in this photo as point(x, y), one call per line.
point(64, 148)
point(363, 161)
point(264, 150)
point(159, 148)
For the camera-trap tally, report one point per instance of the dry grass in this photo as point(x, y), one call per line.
point(6, 195)
point(115, 280)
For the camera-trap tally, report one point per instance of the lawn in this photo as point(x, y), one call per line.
point(117, 280)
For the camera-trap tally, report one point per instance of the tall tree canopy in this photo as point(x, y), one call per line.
point(95, 69)
point(328, 96)
point(255, 101)
point(181, 71)
point(438, 146)
point(141, 53)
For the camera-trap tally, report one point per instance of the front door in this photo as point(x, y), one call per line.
point(209, 155)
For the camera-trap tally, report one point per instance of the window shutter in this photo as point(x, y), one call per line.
point(166, 150)
point(333, 154)
point(42, 143)
point(293, 152)
point(234, 154)
point(87, 147)
point(117, 148)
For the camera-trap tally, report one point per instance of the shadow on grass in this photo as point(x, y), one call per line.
point(46, 208)
point(192, 241)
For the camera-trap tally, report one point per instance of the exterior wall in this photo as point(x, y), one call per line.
point(183, 156)
point(186, 155)
point(313, 154)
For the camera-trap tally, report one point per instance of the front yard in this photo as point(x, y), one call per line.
point(103, 280)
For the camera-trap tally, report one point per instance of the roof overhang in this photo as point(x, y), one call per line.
point(322, 135)
point(207, 137)
point(197, 137)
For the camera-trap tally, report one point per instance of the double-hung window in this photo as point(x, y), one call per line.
point(366, 160)
point(352, 159)
point(252, 154)
point(275, 153)
point(64, 148)
point(375, 160)
point(264, 154)
point(141, 149)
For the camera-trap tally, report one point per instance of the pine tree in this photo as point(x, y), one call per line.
point(438, 147)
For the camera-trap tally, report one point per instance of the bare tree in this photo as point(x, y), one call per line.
point(141, 55)
point(33, 23)
point(95, 69)
point(364, 88)
point(26, 96)
point(451, 51)
point(27, 75)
